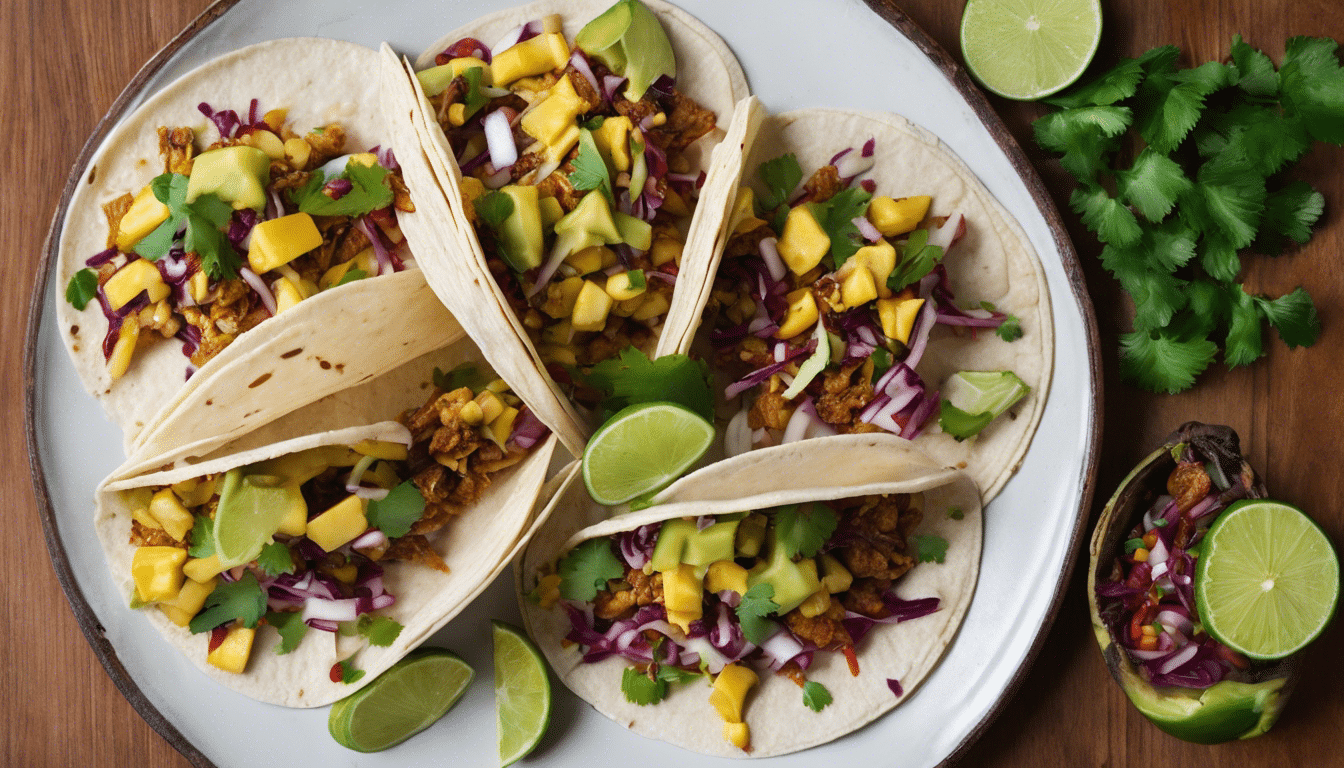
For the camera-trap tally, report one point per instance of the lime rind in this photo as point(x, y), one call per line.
point(1029, 49)
point(522, 693)
point(642, 449)
point(406, 699)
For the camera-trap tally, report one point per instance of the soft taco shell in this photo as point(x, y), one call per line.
point(994, 262)
point(310, 351)
point(854, 465)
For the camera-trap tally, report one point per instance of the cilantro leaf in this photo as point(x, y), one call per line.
point(631, 378)
point(586, 569)
point(218, 258)
point(348, 672)
point(803, 529)
point(1157, 294)
point(1011, 329)
point(1058, 131)
point(780, 176)
point(369, 191)
point(1219, 258)
point(83, 286)
point(291, 628)
point(474, 98)
point(1116, 85)
point(756, 604)
point(676, 674)
point(1159, 60)
point(841, 210)
point(815, 696)
point(380, 630)
point(1227, 198)
point(494, 208)
point(1312, 86)
point(929, 549)
point(918, 259)
point(395, 513)
point(1294, 316)
point(275, 559)
point(469, 375)
point(1112, 221)
point(590, 170)
point(1255, 72)
point(1152, 184)
point(956, 513)
point(1162, 363)
point(1244, 344)
point(1289, 213)
point(202, 537)
point(1171, 109)
point(641, 688)
point(243, 600)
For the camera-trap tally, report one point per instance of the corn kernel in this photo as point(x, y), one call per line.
point(275, 118)
point(267, 142)
point(548, 590)
point(816, 604)
point(655, 306)
point(457, 114)
point(297, 152)
point(199, 283)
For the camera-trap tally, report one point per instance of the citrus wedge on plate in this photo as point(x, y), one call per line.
point(1028, 49)
point(403, 701)
point(522, 693)
point(642, 449)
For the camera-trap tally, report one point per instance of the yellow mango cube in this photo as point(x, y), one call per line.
point(613, 141)
point(621, 287)
point(123, 350)
point(131, 279)
point(897, 217)
point(144, 216)
point(232, 654)
point(898, 316)
point(730, 691)
point(297, 152)
point(339, 525)
point(835, 577)
point(491, 406)
point(553, 122)
point(551, 211)
point(800, 316)
point(560, 297)
point(683, 593)
point(591, 307)
point(804, 242)
point(267, 142)
point(587, 260)
point(554, 353)
point(157, 572)
point(502, 426)
point(858, 287)
point(346, 573)
point(726, 574)
point(536, 56)
point(816, 604)
point(665, 249)
point(655, 306)
point(280, 241)
point(880, 259)
point(743, 216)
point(190, 599)
point(287, 294)
point(195, 491)
point(203, 569)
point(295, 521)
point(174, 518)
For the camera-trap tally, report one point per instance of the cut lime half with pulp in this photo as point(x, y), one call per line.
point(522, 693)
point(1027, 49)
point(642, 449)
point(1267, 580)
point(401, 702)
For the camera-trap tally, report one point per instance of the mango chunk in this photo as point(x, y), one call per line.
point(897, 217)
point(665, 249)
point(172, 516)
point(730, 691)
point(339, 525)
point(622, 286)
point(536, 56)
point(804, 242)
point(880, 259)
point(683, 595)
point(726, 574)
point(276, 242)
point(835, 577)
point(591, 307)
point(743, 216)
point(195, 491)
point(295, 521)
point(553, 122)
point(144, 216)
point(436, 79)
point(654, 307)
point(858, 287)
point(613, 142)
point(232, 654)
point(801, 314)
point(287, 294)
point(190, 599)
point(587, 260)
point(898, 316)
point(235, 174)
point(136, 276)
point(500, 429)
point(203, 569)
point(123, 350)
point(381, 449)
point(737, 734)
point(157, 572)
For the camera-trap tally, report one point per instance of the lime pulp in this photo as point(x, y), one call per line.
point(522, 693)
point(642, 449)
point(1028, 49)
point(406, 699)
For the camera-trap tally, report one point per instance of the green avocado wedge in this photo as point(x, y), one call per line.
point(1241, 707)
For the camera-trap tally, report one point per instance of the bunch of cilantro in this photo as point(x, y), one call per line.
point(1182, 171)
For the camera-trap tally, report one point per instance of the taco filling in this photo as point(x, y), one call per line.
point(299, 542)
point(737, 596)
point(238, 231)
point(824, 304)
point(580, 175)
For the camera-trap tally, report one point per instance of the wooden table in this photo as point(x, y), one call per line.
point(67, 61)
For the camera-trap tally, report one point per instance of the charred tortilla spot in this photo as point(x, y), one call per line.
point(209, 402)
point(262, 379)
point(74, 330)
point(340, 367)
point(324, 364)
point(291, 353)
point(93, 174)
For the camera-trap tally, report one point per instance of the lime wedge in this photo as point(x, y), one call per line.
point(1267, 580)
point(643, 448)
point(1027, 49)
point(251, 509)
point(401, 702)
point(522, 693)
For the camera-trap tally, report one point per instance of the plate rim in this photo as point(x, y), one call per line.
point(889, 12)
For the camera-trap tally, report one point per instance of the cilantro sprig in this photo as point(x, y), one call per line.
point(756, 605)
point(835, 216)
point(803, 529)
point(369, 191)
point(587, 568)
point(243, 600)
point(631, 378)
point(1180, 175)
point(202, 222)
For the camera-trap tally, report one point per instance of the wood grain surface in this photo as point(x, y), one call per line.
point(66, 61)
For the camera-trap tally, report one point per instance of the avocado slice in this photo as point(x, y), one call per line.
point(589, 224)
point(237, 175)
point(631, 42)
point(711, 544)
point(792, 582)
point(671, 541)
point(520, 234)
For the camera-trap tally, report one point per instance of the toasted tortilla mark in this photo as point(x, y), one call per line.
point(74, 330)
point(93, 174)
point(209, 402)
point(262, 379)
point(324, 364)
point(292, 353)
point(340, 367)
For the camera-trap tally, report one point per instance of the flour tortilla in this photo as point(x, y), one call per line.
point(312, 349)
point(994, 262)
point(476, 545)
point(706, 72)
point(852, 465)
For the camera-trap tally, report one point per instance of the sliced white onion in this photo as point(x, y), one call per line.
point(769, 248)
point(330, 610)
point(499, 140)
point(737, 436)
point(1179, 658)
point(947, 235)
point(867, 229)
point(369, 539)
point(259, 285)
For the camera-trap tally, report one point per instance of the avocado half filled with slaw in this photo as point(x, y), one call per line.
point(752, 611)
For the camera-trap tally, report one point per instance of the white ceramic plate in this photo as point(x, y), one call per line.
point(806, 53)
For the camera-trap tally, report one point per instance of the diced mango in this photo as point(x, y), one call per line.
point(157, 572)
point(743, 216)
point(346, 573)
point(502, 426)
point(730, 691)
point(275, 118)
point(737, 734)
point(800, 316)
point(622, 286)
point(554, 353)
point(295, 521)
point(195, 491)
point(655, 306)
point(381, 449)
point(547, 592)
point(287, 294)
point(123, 350)
point(199, 284)
point(267, 142)
point(880, 259)
point(726, 574)
point(897, 217)
point(236, 174)
point(683, 595)
point(436, 79)
point(551, 211)
point(587, 260)
point(898, 316)
point(297, 152)
point(538, 55)
point(804, 242)
point(491, 406)
point(591, 308)
point(232, 654)
point(553, 122)
point(665, 249)
point(202, 569)
point(339, 525)
point(858, 288)
point(136, 276)
point(190, 599)
point(835, 577)
point(144, 216)
point(613, 142)
point(560, 297)
point(280, 241)
point(172, 516)
point(816, 605)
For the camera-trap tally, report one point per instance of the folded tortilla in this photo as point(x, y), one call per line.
point(313, 349)
point(842, 467)
point(475, 545)
point(706, 72)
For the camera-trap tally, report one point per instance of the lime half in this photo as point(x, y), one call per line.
point(1027, 49)
point(643, 448)
point(401, 702)
point(522, 693)
point(1267, 580)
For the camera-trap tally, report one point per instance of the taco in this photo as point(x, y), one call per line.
point(570, 142)
point(241, 196)
point(295, 571)
point(668, 620)
point(864, 280)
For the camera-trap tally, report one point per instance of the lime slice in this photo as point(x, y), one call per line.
point(251, 509)
point(1267, 580)
point(522, 693)
point(401, 702)
point(1026, 49)
point(643, 448)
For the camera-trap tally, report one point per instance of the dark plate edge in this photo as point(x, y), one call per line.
point(961, 80)
point(88, 622)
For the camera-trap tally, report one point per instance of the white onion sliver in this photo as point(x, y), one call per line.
point(330, 610)
point(867, 229)
point(769, 248)
point(369, 539)
point(737, 436)
point(499, 139)
point(1179, 658)
point(259, 285)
